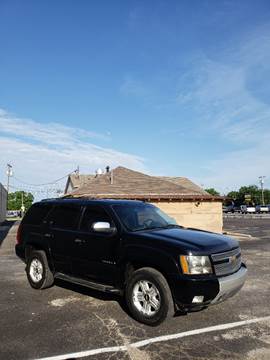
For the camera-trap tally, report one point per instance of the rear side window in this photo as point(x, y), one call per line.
point(65, 217)
point(92, 215)
point(36, 214)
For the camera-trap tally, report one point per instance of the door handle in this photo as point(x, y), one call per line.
point(48, 236)
point(79, 241)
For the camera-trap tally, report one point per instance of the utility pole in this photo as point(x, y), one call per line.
point(22, 207)
point(261, 179)
point(9, 173)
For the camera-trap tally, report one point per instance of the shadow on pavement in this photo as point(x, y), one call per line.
point(93, 293)
point(106, 296)
point(4, 230)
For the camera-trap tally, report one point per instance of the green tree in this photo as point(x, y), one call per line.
point(234, 195)
point(212, 191)
point(17, 198)
point(266, 194)
point(250, 195)
point(253, 191)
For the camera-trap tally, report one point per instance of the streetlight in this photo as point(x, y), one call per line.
point(261, 179)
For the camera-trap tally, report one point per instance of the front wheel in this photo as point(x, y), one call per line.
point(38, 272)
point(149, 297)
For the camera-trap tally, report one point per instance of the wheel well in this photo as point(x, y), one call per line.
point(133, 266)
point(31, 247)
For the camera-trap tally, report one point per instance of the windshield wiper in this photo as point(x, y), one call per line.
point(169, 226)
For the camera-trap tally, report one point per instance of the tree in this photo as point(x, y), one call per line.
point(212, 191)
point(250, 195)
point(19, 198)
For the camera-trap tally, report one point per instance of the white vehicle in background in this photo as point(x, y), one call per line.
point(262, 209)
point(247, 209)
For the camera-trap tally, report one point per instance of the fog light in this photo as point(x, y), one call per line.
point(197, 299)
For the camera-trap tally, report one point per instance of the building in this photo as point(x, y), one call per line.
point(179, 197)
point(3, 203)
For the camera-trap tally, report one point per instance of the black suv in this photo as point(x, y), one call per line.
point(130, 248)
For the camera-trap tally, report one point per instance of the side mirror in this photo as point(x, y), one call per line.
point(102, 226)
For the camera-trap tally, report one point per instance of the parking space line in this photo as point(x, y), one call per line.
point(142, 343)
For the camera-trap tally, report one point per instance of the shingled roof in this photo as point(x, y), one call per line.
point(186, 183)
point(123, 183)
point(80, 180)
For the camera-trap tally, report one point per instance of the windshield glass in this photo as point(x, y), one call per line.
point(143, 216)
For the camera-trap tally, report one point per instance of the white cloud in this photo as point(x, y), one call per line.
point(41, 153)
point(132, 87)
point(232, 109)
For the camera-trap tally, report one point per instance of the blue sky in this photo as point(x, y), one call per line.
point(167, 87)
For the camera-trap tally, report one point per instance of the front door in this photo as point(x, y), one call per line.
point(95, 253)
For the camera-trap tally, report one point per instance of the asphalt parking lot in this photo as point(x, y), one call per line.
point(68, 321)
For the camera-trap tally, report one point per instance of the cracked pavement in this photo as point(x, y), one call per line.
point(68, 318)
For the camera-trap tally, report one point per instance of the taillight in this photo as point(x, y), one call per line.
point(19, 234)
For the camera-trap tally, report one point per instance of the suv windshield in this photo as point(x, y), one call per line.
point(143, 216)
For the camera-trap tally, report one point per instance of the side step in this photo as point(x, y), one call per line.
point(89, 284)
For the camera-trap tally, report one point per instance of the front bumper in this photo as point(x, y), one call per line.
point(213, 289)
point(230, 285)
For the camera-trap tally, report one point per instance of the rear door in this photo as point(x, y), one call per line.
point(95, 253)
point(63, 224)
point(33, 227)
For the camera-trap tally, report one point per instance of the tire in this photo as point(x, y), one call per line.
point(148, 296)
point(38, 272)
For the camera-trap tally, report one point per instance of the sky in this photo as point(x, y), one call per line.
point(175, 88)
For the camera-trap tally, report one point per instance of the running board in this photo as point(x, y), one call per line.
point(89, 284)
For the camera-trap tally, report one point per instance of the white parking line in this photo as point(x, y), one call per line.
point(142, 343)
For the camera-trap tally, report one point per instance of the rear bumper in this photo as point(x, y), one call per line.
point(213, 289)
point(20, 251)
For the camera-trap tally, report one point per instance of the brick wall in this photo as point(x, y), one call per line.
point(205, 215)
point(3, 203)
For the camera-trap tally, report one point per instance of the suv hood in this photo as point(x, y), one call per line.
point(187, 240)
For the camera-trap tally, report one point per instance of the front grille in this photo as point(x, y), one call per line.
point(227, 262)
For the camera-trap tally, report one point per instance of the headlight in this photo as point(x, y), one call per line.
point(191, 264)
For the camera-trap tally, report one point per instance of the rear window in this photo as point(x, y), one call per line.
point(36, 214)
point(65, 217)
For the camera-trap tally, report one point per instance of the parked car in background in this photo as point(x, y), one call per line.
point(228, 209)
point(12, 213)
point(247, 209)
point(262, 209)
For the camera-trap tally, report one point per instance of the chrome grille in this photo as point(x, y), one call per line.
point(227, 262)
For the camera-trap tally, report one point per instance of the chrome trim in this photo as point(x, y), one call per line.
point(230, 285)
point(226, 254)
point(227, 262)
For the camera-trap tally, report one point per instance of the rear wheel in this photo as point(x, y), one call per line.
point(149, 297)
point(38, 272)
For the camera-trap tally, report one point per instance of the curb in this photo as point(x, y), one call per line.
point(239, 236)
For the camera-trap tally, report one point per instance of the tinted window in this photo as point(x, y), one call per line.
point(92, 215)
point(36, 214)
point(65, 217)
point(144, 216)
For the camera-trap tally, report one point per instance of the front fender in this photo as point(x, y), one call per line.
point(151, 257)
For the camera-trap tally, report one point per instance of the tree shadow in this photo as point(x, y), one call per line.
point(4, 229)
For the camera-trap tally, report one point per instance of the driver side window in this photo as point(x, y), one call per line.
point(93, 215)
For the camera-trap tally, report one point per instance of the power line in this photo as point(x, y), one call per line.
point(49, 183)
